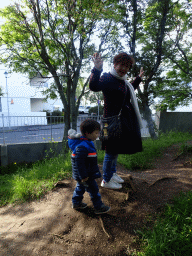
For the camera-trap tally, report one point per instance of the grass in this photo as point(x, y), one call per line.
point(30, 181)
point(172, 232)
point(152, 149)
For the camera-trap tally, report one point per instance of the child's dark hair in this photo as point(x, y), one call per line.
point(89, 126)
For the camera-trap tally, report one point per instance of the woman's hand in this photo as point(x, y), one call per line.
point(141, 74)
point(98, 62)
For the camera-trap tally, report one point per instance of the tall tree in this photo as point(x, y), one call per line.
point(147, 26)
point(52, 38)
point(175, 87)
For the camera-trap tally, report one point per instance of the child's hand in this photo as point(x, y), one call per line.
point(84, 180)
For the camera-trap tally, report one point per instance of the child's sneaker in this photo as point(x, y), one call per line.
point(103, 209)
point(111, 184)
point(117, 178)
point(79, 206)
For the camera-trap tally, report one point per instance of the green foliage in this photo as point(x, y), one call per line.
point(165, 49)
point(14, 167)
point(55, 117)
point(174, 89)
point(185, 148)
point(100, 156)
point(95, 110)
point(57, 113)
point(51, 38)
point(172, 231)
point(93, 97)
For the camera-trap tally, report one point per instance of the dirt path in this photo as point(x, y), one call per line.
point(51, 227)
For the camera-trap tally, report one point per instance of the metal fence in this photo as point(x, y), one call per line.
point(48, 128)
point(29, 129)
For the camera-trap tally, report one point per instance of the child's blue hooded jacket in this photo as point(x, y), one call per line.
point(83, 158)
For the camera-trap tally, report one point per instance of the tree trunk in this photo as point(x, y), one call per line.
point(73, 109)
point(147, 116)
point(67, 122)
point(66, 128)
point(67, 113)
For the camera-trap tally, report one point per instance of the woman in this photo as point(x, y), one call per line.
point(118, 93)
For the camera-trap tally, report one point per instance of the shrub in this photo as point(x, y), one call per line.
point(93, 110)
point(57, 116)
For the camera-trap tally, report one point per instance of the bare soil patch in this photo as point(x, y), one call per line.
point(51, 227)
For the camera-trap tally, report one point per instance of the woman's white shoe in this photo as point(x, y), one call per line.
point(116, 178)
point(111, 184)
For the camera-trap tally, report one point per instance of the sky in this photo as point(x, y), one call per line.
point(4, 3)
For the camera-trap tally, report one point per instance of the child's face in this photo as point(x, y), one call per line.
point(93, 136)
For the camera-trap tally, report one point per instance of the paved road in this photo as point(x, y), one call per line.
point(32, 134)
point(35, 133)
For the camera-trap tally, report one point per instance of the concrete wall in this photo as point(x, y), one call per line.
point(36, 105)
point(175, 121)
point(31, 152)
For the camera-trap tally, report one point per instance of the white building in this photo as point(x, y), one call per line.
point(22, 101)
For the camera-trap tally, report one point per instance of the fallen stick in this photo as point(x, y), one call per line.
point(127, 195)
point(103, 227)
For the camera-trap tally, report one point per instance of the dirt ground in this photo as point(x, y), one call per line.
point(51, 227)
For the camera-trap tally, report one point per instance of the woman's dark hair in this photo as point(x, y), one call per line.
point(124, 59)
point(89, 126)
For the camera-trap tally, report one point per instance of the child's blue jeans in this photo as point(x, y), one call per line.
point(93, 191)
point(109, 166)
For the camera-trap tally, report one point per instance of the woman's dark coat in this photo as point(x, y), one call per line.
point(114, 91)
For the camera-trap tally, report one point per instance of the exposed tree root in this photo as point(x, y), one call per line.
point(130, 180)
point(164, 178)
point(102, 225)
point(65, 240)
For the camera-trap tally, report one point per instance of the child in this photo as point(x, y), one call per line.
point(84, 165)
